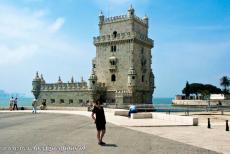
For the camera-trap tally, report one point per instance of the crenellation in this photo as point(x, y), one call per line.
point(123, 18)
point(122, 37)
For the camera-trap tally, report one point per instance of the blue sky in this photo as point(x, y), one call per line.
point(54, 37)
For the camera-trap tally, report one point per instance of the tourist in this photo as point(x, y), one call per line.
point(11, 103)
point(34, 105)
point(99, 120)
point(15, 103)
point(43, 106)
point(132, 109)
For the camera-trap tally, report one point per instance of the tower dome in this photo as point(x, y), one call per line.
point(131, 11)
point(42, 80)
point(93, 76)
point(92, 80)
point(59, 80)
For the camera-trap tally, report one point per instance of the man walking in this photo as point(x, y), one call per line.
point(15, 103)
point(34, 105)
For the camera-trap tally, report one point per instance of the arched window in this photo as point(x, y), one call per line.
point(115, 34)
point(113, 77)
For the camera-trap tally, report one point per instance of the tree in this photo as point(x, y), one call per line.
point(224, 81)
point(186, 90)
point(199, 88)
point(196, 88)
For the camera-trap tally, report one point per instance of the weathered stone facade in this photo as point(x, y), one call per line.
point(121, 69)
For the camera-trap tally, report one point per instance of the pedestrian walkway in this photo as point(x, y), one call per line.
point(53, 133)
point(215, 139)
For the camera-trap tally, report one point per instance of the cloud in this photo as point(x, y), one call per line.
point(17, 54)
point(23, 34)
point(39, 13)
point(59, 22)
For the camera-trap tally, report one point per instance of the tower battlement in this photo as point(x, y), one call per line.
point(123, 37)
point(64, 86)
point(109, 20)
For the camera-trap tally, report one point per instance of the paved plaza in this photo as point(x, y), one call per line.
point(53, 131)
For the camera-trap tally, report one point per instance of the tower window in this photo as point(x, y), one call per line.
point(113, 77)
point(113, 62)
point(143, 78)
point(93, 82)
point(113, 48)
point(142, 50)
point(52, 100)
point(133, 77)
point(115, 34)
point(70, 101)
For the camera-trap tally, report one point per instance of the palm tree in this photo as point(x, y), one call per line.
point(225, 82)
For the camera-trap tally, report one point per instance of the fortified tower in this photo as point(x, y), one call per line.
point(121, 71)
point(123, 58)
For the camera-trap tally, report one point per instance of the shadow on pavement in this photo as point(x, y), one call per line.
point(110, 145)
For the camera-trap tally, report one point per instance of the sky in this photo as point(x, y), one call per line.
point(55, 38)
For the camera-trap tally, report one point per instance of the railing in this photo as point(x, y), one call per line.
point(167, 108)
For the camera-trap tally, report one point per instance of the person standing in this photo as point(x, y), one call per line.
point(99, 120)
point(15, 103)
point(11, 103)
point(34, 106)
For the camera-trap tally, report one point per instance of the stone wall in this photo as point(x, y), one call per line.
point(66, 98)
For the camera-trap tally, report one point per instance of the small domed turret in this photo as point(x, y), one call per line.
point(131, 77)
point(101, 19)
point(59, 80)
point(72, 80)
point(146, 20)
point(42, 80)
point(131, 11)
point(92, 80)
point(36, 83)
point(37, 76)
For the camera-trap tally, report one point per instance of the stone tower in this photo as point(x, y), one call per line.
point(123, 58)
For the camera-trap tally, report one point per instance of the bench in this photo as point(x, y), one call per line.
point(121, 113)
point(141, 115)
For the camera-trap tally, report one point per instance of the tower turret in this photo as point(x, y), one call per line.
point(101, 19)
point(42, 80)
point(131, 11)
point(131, 77)
point(72, 80)
point(36, 83)
point(146, 20)
point(92, 80)
point(59, 80)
